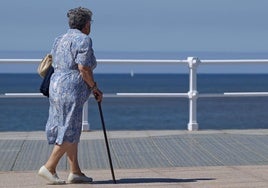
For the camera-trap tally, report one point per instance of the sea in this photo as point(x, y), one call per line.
point(30, 114)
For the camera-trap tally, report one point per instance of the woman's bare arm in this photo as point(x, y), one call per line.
point(87, 75)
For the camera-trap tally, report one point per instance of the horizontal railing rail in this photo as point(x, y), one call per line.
point(192, 94)
point(149, 95)
point(39, 95)
point(103, 61)
point(150, 61)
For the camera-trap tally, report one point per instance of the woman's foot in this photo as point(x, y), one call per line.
point(79, 178)
point(52, 178)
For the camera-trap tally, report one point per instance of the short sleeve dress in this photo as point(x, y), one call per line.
point(68, 91)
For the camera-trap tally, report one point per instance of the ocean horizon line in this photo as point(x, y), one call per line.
point(148, 68)
point(10, 54)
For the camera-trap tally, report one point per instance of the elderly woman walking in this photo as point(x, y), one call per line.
point(70, 86)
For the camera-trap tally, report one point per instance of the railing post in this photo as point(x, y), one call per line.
point(85, 124)
point(193, 62)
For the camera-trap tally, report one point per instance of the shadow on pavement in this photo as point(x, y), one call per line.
point(152, 180)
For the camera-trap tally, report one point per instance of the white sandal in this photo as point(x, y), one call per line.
point(52, 178)
point(75, 178)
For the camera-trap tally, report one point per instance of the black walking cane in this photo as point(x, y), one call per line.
point(106, 141)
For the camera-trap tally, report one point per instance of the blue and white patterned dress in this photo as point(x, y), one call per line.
point(68, 91)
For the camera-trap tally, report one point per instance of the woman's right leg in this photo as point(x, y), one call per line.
point(75, 176)
point(72, 157)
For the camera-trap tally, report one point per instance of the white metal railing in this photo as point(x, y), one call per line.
point(192, 94)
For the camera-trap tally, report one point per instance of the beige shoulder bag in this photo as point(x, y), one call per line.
point(44, 65)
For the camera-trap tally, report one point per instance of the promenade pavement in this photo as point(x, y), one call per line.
point(228, 158)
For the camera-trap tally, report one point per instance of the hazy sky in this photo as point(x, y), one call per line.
point(141, 25)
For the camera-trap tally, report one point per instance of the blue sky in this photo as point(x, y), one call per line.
point(141, 25)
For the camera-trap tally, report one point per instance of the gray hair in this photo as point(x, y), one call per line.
point(78, 17)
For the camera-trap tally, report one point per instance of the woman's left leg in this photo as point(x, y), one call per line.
point(48, 171)
point(56, 154)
